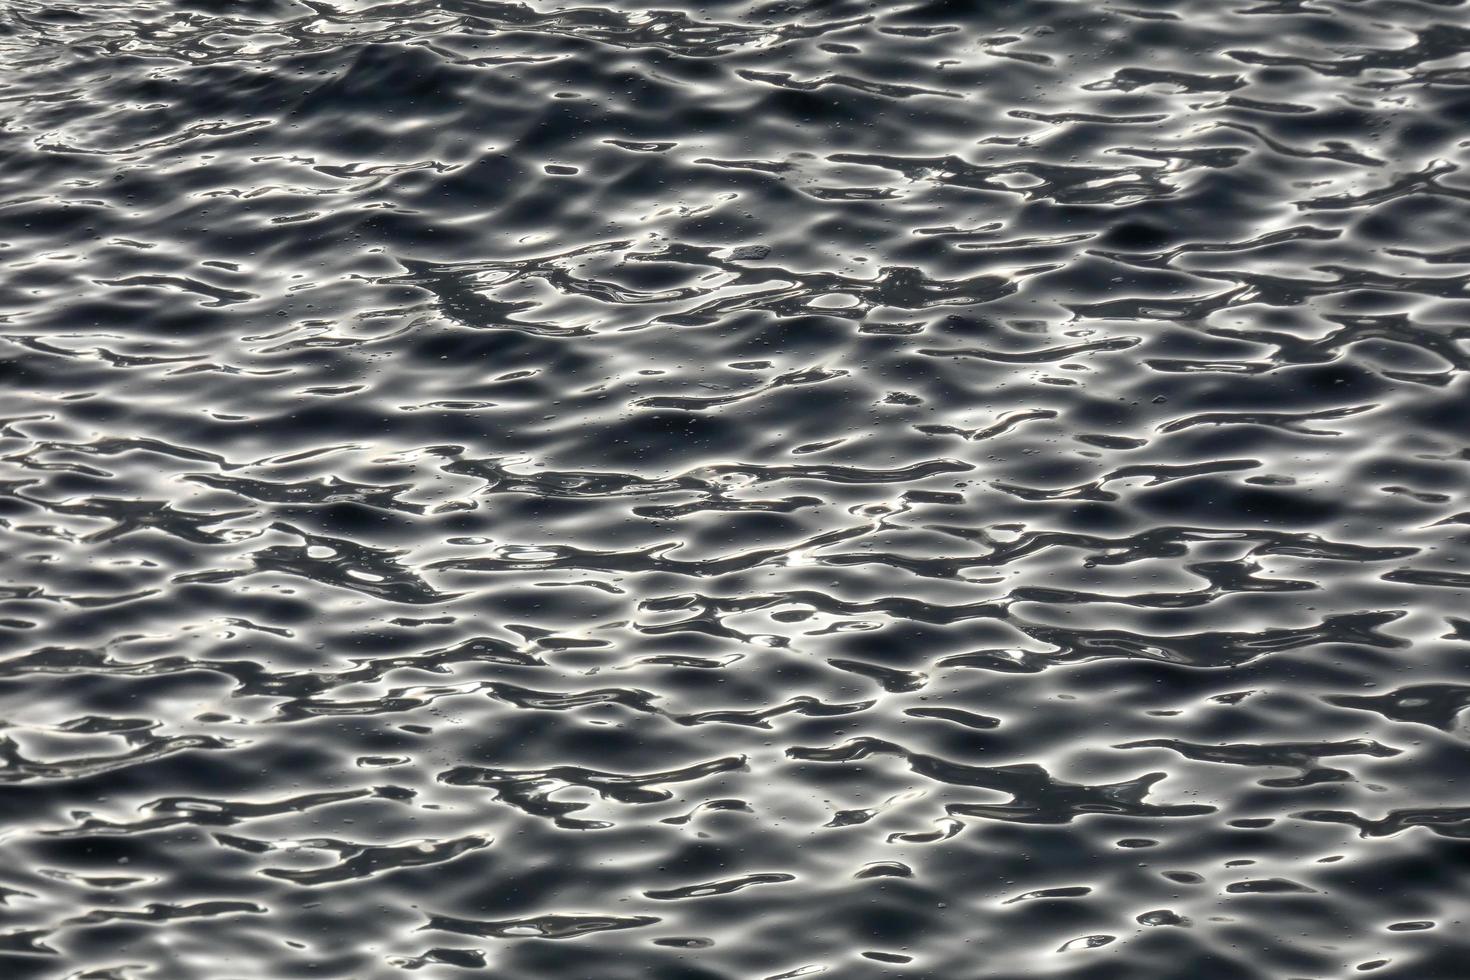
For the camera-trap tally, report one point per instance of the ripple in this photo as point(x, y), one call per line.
point(563, 491)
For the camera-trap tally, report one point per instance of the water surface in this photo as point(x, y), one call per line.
point(966, 491)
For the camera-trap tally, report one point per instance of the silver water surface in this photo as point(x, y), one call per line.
point(757, 490)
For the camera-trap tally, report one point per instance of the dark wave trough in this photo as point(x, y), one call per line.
point(941, 490)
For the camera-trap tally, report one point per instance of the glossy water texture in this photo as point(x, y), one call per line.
point(966, 491)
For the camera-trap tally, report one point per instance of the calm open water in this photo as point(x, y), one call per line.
point(945, 490)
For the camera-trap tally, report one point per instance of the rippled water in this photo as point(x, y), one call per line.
point(946, 490)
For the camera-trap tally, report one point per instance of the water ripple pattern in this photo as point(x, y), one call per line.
point(965, 491)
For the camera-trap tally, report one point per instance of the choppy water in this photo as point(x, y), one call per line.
point(945, 490)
